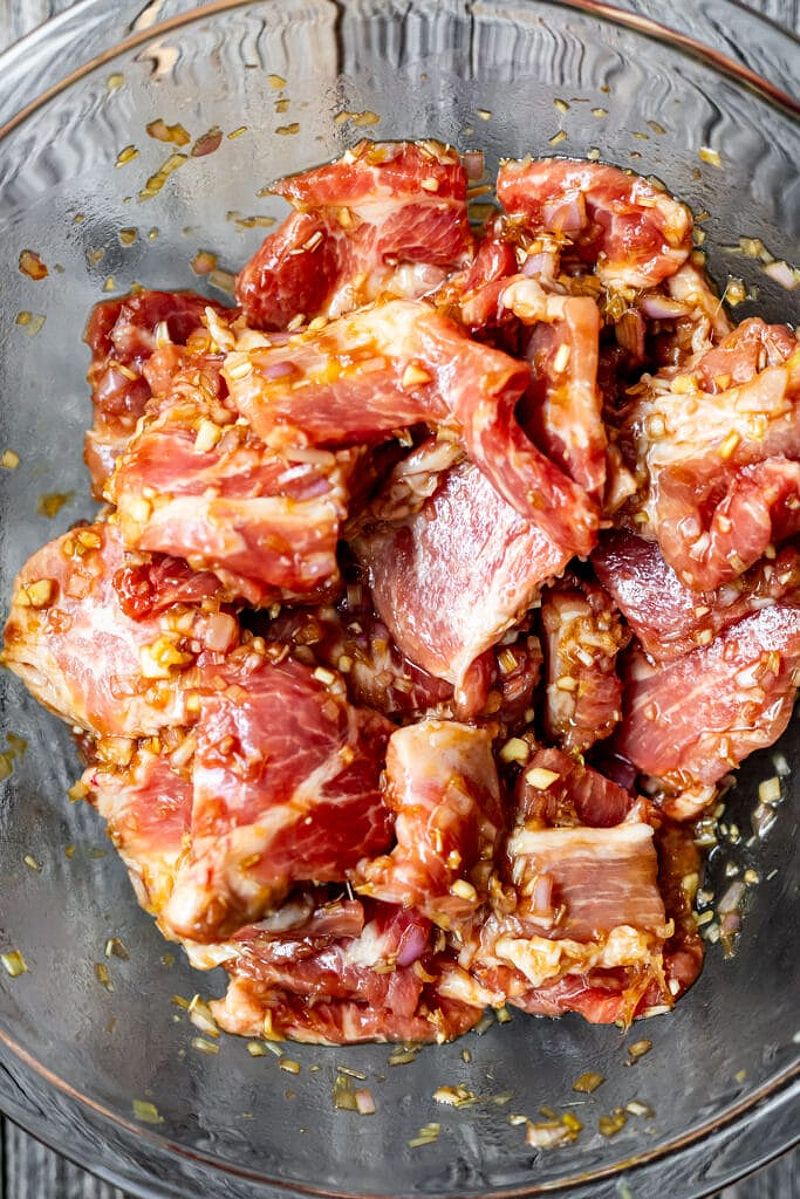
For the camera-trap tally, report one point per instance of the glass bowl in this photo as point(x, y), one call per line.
point(721, 1077)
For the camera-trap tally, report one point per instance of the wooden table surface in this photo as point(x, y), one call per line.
point(30, 1171)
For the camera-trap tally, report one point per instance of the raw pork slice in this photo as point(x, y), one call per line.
point(582, 926)
point(555, 790)
point(452, 578)
point(72, 643)
point(352, 639)
point(582, 636)
point(387, 218)
point(442, 786)
point(212, 493)
point(352, 972)
point(634, 234)
point(147, 805)
point(122, 335)
point(669, 618)
point(559, 335)
point(583, 883)
point(688, 723)
point(285, 788)
point(720, 457)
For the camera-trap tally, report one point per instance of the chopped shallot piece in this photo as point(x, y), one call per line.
point(387, 218)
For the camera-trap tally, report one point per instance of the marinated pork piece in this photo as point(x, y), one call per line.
point(632, 233)
point(388, 218)
point(443, 787)
point(196, 483)
point(555, 790)
point(361, 378)
point(559, 335)
point(578, 922)
point(670, 619)
point(688, 723)
point(452, 578)
point(285, 789)
point(583, 635)
point(147, 805)
point(563, 405)
point(352, 639)
point(582, 926)
point(150, 586)
point(122, 335)
point(353, 971)
point(577, 883)
point(720, 457)
point(70, 639)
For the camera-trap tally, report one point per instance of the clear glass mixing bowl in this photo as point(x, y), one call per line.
point(721, 1077)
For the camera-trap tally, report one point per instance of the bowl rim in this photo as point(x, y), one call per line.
point(717, 59)
point(692, 1150)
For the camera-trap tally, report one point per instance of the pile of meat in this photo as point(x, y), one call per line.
point(440, 586)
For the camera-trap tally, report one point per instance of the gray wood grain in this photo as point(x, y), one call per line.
point(28, 1170)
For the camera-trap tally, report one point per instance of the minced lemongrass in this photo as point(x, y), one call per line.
point(586, 1083)
point(14, 963)
point(203, 1046)
point(146, 1112)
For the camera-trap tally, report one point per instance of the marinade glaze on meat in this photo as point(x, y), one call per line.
point(441, 584)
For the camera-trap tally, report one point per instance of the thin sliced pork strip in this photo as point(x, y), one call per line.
point(387, 218)
point(453, 577)
point(443, 787)
point(285, 788)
